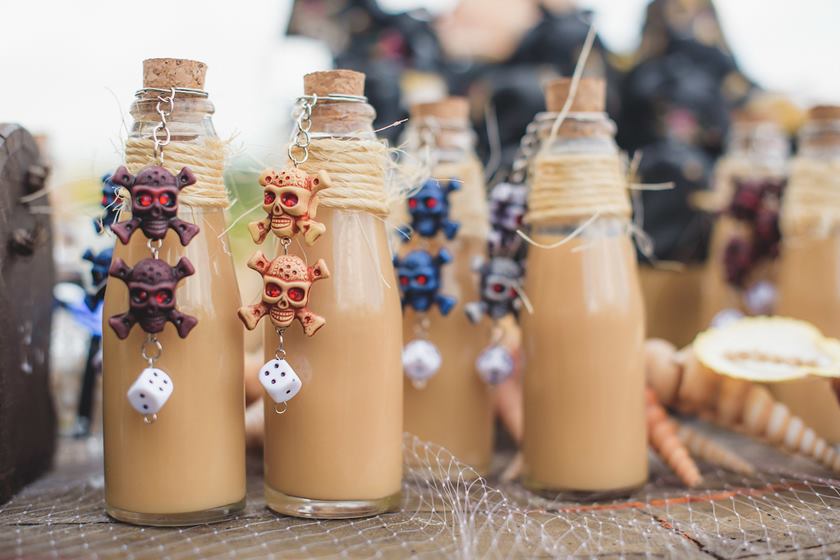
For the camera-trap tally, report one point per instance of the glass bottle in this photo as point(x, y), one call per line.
point(809, 274)
point(188, 466)
point(337, 451)
point(583, 344)
point(454, 409)
point(757, 152)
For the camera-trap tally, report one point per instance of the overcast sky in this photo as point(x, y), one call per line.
point(69, 69)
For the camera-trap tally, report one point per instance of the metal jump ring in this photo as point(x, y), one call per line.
point(150, 419)
point(285, 408)
point(151, 358)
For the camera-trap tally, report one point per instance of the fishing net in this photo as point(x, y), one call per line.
point(789, 507)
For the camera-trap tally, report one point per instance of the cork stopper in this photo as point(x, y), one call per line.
point(343, 82)
point(173, 72)
point(824, 113)
point(447, 109)
point(590, 97)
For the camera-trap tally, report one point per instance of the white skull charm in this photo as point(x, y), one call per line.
point(494, 364)
point(421, 360)
point(290, 201)
point(286, 285)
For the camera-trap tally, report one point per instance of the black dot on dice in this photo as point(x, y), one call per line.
point(152, 382)
point(273, 381)
point(154, 373)
point(276, 366)
point(165, 382)
point(282, 374)
point(288, 391)
point(160, 388)
point(142, 396)
point(266, 372)
point(145, 407)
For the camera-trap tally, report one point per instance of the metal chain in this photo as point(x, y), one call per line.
point(154, 246)
point(303, 123)
point(280, 352)
point(151, 349)
point(162, 127)
point(528, 146)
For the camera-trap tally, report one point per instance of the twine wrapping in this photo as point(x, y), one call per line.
point(206, 160)
point(358, 170)
point(811, 204)
point(577, 186)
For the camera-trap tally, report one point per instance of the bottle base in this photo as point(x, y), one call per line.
point(212, 515)
point(570, 495)
point(328, 509)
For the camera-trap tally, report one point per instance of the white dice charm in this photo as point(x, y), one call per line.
point(149, 392)
point(494, 365)
point(280, 381)
point(421, 360)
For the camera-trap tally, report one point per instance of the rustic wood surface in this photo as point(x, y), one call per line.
point(774, 513)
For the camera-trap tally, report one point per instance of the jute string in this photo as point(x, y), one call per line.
point(357, 169)
point(811, 205)
point(206, 159)
point(577, 186)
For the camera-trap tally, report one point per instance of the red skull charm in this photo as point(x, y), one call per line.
point(290, 200)
point(286, 284)
point(154, 203)
point(151, 294)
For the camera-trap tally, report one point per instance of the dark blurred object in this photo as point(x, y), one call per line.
point(110, 208)
point(100, 263)
point(27, 417)
point(364, 37)
point(676, 103)
point(680, 233)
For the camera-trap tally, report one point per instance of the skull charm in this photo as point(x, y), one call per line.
point(499, 289)
point(420, 280)
point(508, 203)
point(151, 292)
point(429, 209)
point(286, 284)
point(290, 200)
point(100, 263)
point(154, 203)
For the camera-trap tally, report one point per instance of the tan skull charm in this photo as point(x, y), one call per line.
point(286, 284)
point(290, 200)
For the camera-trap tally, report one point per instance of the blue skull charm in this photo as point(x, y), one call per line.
point(499, 290)
point(100, 264)
point(110, 208)
point(429, 209)
point(420, 280)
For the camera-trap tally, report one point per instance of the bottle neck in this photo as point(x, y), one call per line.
point(190, 119)
point(592, 134)
point(820, 139)
point(447, 142)
point(763, 142)
point(337, 119)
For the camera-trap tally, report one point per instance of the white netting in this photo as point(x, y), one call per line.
point(449, 512)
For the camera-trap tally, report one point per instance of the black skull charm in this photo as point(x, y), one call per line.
point(500, 290)
point(154, 203)
point(151, 293)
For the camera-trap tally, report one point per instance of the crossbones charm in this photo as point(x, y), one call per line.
point(420, 280)
point(429, 209)
point(154, 203)
point(151, 295)
point(286, 284)
point(290, 200)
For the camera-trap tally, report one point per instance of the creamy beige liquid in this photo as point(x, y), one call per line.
point(584, 378)
point(455, 408)
point(341, 437)
point(193, 457)
point(809, 289)
point(672, 302)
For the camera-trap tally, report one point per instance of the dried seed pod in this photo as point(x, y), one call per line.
point(662, 436)
point(707, 449)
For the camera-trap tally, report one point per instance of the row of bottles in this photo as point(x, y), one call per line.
point(335, 449)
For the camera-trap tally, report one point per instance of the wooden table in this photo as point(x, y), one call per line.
point(793, 516)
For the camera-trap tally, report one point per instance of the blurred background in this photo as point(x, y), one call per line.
point(676, 71)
